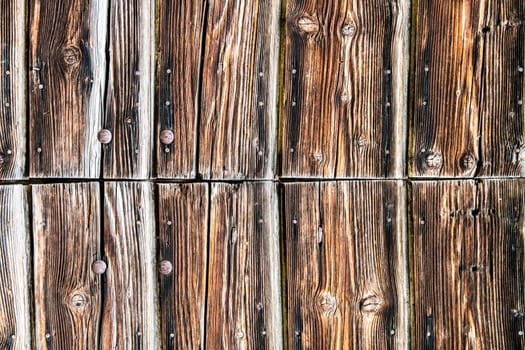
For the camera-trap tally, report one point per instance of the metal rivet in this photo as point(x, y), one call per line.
point(165, 267)
point(167, 137)
point(168, 223)
point(40, 86)
point(168, 103)
point(99, 267)
point(7, 72)
point(104, 136)
point(39, 149)
point(168, 71)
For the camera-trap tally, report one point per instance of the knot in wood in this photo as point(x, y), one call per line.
point(167, 137)
point(433, 160)
point(78, 300)
point(362, 141)
point(99, 267)
point(308, 24)
point(165, 267)
point(468, 161)
point(370, 304)
point(348, 29)
point(71, 55)
point(328, 304)
point(104, 136)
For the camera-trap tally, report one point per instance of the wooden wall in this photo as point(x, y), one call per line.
point(232, 174)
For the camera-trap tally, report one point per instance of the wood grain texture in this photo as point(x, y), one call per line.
point(345, 88)
point(468, 115)
point(129, 318)
point(15, 258)
point(129, 97)
point(178, 75)
point(469, 264)
point(66, 234)
point(12, 88)
point(66, 87)
point(244, 298)
point(238, 122)
point(183, 239)
point(346, 265)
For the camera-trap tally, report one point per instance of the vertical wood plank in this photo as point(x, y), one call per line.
point(238, 122)
point(178, 74)
point(346, 265)
point(183, 231)
point(12, 88)
point(129, 318)
point(244, 299)
point(345, 82)
point(66, 229)
point(15, 256)
point(468, 85)
point(66, 86)
point(469, 264)
point(129, 99)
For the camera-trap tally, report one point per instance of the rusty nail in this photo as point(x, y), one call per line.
point(167, 137)
point(99, 267)
point(165, 267)
point(104, 136)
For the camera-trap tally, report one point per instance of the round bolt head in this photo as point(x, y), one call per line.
point(99, 267)
point(165, 267)
point(104, 136)
point(167, 137)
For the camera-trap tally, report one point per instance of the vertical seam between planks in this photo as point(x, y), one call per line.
point(206, 288)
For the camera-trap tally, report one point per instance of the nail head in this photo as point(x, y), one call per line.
point(104, 136)
point(99, 267)
point(167, 137)
point(165, 267)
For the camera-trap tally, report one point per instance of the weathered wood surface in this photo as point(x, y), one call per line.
point(238, 121)
point(244, 299)
point(346, 259)
point(66, 86)
point(129, 98)
point(129, 318)
point(183, 236)
point(66, 234)
point(178, 76)
point(12, 89)
point(345, 82)
point(469, 264)
point(468, 89)
point(15, 258)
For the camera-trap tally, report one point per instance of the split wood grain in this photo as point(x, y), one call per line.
point(66, 234)
point(66, 86)
point(129, 318)
point(181, 32)
point(468, 115)
point(130, 93)
point(244, 284)
point(238, 121)
point(15, 258)
point(346, 265)
point(183, 241)
point(469, 264)
point(345, 88)
point(12, 88)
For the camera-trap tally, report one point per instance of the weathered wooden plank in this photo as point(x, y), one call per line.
point(129, 98)
point(345, 81)
point(129, 318)
point(66, 86)
point(66, 233)
point(12, 89)
point(15, 256)
point(178, 74)
point(347, 264)
point(183, 231)
point(468, 85)
point(244, 299)
point(238, 122)
point(469, 264)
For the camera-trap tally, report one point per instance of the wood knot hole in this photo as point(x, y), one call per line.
point(433, 160)
point(348, 29)
point(468, 161)
point(78, 300)
point(328, 304)
point(307, 24)
point(370, 304)
point(71, 55)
